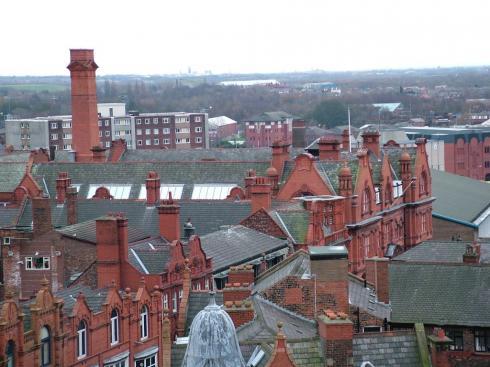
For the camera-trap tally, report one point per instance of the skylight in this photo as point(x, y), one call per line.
point(116, 190)
point(211, 191)
point(175, 189)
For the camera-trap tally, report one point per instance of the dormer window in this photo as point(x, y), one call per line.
point(366, 201)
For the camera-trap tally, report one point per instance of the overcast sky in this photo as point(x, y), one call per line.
point(169, 36)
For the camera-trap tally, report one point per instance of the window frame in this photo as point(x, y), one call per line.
point(82, 340)
point(30, 260)
point(45, 347)
point(114, 327)
point(144, 323)
point(455, 334)
point(481, 335)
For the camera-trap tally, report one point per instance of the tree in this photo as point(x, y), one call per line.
point(329, 113)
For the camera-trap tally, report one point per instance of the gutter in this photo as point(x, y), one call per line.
point(454, 220)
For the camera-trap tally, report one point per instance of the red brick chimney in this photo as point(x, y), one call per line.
point(329, 267)
point(329, 149)
point(152, 189)
point(85, 130)
point(169, 215)
point(438, 347)
point(345, 140)
point(377, 273)
point(345, 190)
point(111, 249)
point(166, 340)
point(249, 180)
point(336, 333)
point(406, 176)
point(370, 141)
point(241, 274)
point(280, 154)
point(118, 147)
point(41, 215)
point(240, 312)
point(62, 184)
point(98, 154)
point(71, 205)
point(260, 194)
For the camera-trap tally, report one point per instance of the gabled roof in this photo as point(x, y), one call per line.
point(150, 256)
point(206, 216)
point(95, 298)
point(293, 222)
point(237, 245)
point(396, 348)
point(22, 156)
point(440, 294)
point(11, 175)
point(459, 197)
point(442, 252)
point(86, 231)
point(135, 173)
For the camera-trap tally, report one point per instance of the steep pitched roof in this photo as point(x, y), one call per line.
point(459, 197)
point(86, 231)
point(293, 222)
point(443, 252)
point(238, 244)
point(11, 175)
point(442, 294)
point(397, 348)
point(8, 216)
point(206, 216)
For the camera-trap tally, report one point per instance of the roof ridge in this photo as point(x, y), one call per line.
point(285, 310)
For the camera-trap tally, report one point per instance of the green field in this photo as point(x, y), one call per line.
point(36, 87)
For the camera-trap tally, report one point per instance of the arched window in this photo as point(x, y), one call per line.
point(82, 339)
point(45, 340)
point(144, 322)
point(10, 354)
point(114, 326)
point(366, 201)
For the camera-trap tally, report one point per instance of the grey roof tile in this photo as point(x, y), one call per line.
point(440, 294)
point(11, 175)
point(238, 244)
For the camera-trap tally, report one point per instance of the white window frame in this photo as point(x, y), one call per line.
point(174, 302)
point(166, 141)
point(198, 139)
point(107, 133)
point(150, 361)
point(82, 341)
point(166, 130)
point(29, 263)
point(106, 122)
point(107, 144)
point(6, 241)
point(148, 142)
point(147, 121)
point(138, 121)
point(165, 301)
point(139, 142)
point(144, 327)
point(114, 327)
point(198, 129)
point(100, 134)
point(54, 125)
point(147, 131)
point(156, 142)
point(155, 131)
point(165, 120)
point(155, 120)
point(197, 119)
point(54, 136)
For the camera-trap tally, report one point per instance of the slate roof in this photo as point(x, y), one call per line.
point(8, 217)
point(459, 197)
point(135, 173)
point(11, 175)
point(192, 155)
point(150, 256)
point(264, 325)
point(292, 222)
point(15, 157)
point(197, 302)
point(237, 245)
point(95, 298)
point(442, 252)
point(440, 294)
point(206, 216)
point(386, 349)
point(86, 231)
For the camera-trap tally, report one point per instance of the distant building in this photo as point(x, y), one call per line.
point(262, 130)
point(459, 150)
point(164, 130)
point(325, 87)
point(221, 127)
point(251, 83)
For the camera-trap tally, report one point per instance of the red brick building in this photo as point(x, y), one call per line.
point(86, 327)
point(263, 130)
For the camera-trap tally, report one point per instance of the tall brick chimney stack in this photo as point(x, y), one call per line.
point(112, 249)
point(329, 149)
point(169, 218)
point(370, 141)
point(280, 154)
point(85, 130)
point(152, 189)
point(260, 194)
point(41, 215)
point(345, 140)
point(62, 184)
point(377, 273)
point(71, 205)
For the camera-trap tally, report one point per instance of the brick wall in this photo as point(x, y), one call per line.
point(446, 230)
point(262, 222)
